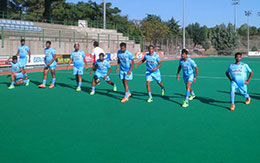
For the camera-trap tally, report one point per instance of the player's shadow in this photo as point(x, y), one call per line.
point(5, 83)
point(83, 80)
point(35, 82)
point(137, 95)
point(208, 101)
point(252, 95)
point(105, 92)
point(65, 85)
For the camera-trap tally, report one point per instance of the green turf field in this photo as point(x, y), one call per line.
point(62, 125)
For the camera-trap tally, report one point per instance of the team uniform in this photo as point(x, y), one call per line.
point(238, 74)
point(125, 64)
point(23, 54)
point(102, 69)
point(78, 61)
point(188, 67)
point(152, 61)
point(48, 57)
point(16, 67)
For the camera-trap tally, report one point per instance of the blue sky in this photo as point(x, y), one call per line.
point(206, 12)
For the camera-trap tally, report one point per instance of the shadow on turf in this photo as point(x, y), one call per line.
point(5, 83)
point(84, 81)
point(252, 96)
point(209, 101)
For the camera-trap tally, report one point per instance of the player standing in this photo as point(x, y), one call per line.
point(95, 53)
point(23, 53)
point(238, 79)
point(152, 71)
point(126, 61)
point(187, 65)
point(79, 60)
point(50, 64)
point(103, 70)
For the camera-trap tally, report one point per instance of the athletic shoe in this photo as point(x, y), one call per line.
point(163, 92)
point(232, 107)
point(248, 100)
point(185, 104)
point(42, 86)
point(51, 86)
point(150, 99)
point(27, 83)
point(11, 87)
point(124, 100)
point(114, 88)
point(78, 89)
point(191, 97)
point(92, 93)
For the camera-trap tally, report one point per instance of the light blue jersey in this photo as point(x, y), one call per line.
point(187, 67)
point(239, 72)
point(78, 58)
point(15, 66)
point(125, 60)
point(23, 51)
point(49, 56)
point(102, 67)
point(152, 61)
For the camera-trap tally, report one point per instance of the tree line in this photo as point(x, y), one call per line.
point(152, 28)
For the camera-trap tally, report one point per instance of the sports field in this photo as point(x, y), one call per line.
point(62, 125)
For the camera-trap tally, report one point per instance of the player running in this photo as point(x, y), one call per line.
point(17, 73)
point(238, 79)
point(103, 70)
point(187, 65)
point(126, 61)
point(79, 60)
point(50, 64)
point(23, 53)
point(152, 71)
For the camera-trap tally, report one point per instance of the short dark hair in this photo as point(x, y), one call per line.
point(122, 44)
point(184, 51)
point(95, 44)
point(22, 40)
point(238, 53)
point(150, 46)
point(14, 57)
point(102, 54)
point(49, 42)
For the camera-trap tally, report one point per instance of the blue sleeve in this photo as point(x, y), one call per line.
point(108, 65)
point(131, 56)
point(53, 52)
point(11, 63)
point(27, 48)
point(158, 58)
point(193, 64)
point(83, 54)
point(228, 70)
point(71, 56)
point(248, 69)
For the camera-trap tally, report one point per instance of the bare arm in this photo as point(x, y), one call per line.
point(117, 66)
point(69, 64)
point(228, 76)
point(53, 59)
point(132, 65)
point(140, 62)
point(156, 68)
point(249, 78)
point(178, 71)
point(196, 74)
point(29, 53)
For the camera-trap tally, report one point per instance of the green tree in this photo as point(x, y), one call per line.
point(153, 29)
point(197, 34)
point(174, 28)
point(224, 39)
